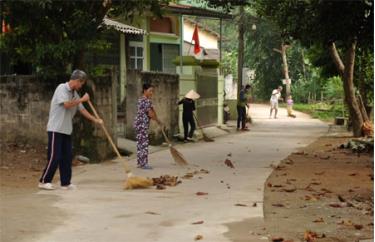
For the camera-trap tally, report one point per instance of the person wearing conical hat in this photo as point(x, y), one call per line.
point(188, 106)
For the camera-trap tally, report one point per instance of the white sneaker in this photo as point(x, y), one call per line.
point(46, 186)
point(69, 187)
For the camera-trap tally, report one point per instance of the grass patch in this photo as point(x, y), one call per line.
point(323, 111)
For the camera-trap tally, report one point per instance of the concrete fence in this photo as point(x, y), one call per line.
point(24, 110)
point(164, 100)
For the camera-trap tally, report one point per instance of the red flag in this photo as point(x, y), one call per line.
point(5, 27)
point(197, 48)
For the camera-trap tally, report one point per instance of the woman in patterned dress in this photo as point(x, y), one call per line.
point(141, 124)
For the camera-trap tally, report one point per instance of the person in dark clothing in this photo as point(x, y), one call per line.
point(188, 106)
point(241, 107)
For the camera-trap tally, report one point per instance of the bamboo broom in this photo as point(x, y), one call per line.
point(205, 137)
point(177, 156)
point(131, 182)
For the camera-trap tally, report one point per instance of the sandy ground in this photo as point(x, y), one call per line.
point(322, 189)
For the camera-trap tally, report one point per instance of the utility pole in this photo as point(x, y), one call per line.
point(285, 66)
point(241, 30)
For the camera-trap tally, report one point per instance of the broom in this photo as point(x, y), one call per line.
point(177, 156)
point(131, 181)
point(205, 137)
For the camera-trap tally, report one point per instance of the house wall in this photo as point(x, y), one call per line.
point(24, 110)
point(206, 39)
point(205, 81)
point(164, 100)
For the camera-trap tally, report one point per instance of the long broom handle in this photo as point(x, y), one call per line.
point(165, 136)
point(105, 130)
point(109, 137)
point(196, 119)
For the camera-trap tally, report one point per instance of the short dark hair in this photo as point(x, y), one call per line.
point(146, 86)
point(247, 86)
point(78, 75)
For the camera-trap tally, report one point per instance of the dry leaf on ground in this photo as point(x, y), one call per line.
point(152, 213)
point(201, 193)
point(310, 236)
point(277, 239)
point(228, 163)
point(335, 205)
point(319, 220)
point(240, 205)
point(198, 237)
point(198, 222)
point(293, 189)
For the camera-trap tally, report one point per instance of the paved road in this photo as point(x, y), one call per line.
point(100, 210)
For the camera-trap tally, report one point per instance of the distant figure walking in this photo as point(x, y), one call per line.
point(274, 101)
point(242, 103)
point(289, 106)
point(188, 106)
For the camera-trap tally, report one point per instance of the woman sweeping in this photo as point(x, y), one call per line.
point(141, 124)
point(188, 107)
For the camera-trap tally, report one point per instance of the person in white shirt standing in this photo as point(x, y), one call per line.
point(275, 97)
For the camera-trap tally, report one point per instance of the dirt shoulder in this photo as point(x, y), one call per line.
point(323, 189)
point(25, 215)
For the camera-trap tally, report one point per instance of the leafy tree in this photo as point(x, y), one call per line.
point(338, 26)
point(52, 35)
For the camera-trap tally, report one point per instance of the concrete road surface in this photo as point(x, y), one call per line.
point(100, 210)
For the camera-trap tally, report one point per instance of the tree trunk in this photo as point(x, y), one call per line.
point(362, 108)
point(241, 31)
point(346, 72)
point(79, 60)
point(285, 68)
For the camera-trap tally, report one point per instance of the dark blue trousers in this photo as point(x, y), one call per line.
point(59, 154)
point(241, 118)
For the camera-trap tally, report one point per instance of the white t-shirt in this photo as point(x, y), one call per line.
point(275, 95)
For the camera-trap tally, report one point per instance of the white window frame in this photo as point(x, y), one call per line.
point(137, 44)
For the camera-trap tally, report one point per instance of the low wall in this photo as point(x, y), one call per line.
point(24, 109)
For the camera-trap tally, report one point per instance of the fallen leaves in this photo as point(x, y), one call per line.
point(191, 174)
point(166, 180)
point(349, 223)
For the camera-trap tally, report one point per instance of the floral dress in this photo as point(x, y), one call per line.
point(141, 125)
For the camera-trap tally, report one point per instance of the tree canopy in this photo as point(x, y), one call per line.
point(51, 35)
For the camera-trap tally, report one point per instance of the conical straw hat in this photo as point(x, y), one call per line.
point(192, 95)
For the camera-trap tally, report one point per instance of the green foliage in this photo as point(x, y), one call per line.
point(229, 63)
point(53, 35)
point(333, 88)
point(318, 23)
point(323, 111)
point(259, 55)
